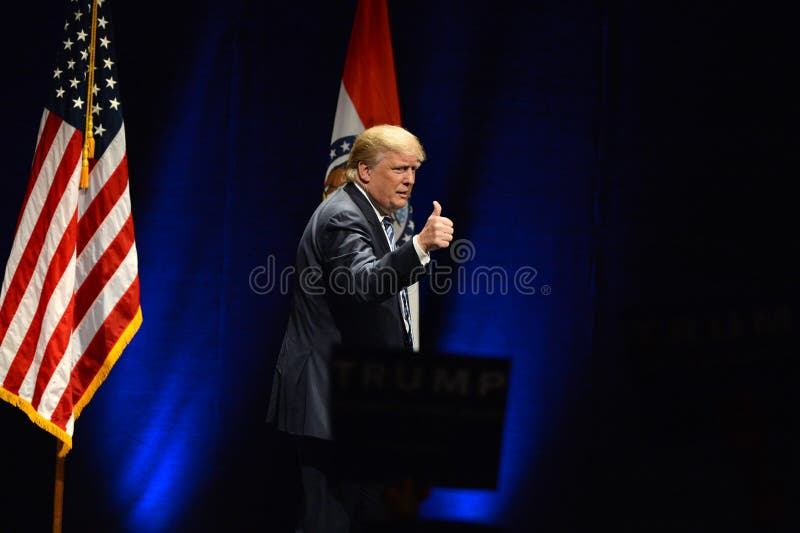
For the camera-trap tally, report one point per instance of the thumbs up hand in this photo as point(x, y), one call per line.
point(438, 231)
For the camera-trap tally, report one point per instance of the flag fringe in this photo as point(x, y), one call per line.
point(102, 374)
point(39, 420)
point(113, 355)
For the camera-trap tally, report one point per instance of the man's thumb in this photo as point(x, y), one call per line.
point(437, 209)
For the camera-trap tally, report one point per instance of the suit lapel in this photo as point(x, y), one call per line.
point(379, 241)
point(378, 234)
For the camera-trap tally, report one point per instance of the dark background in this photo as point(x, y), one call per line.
point(638, 156)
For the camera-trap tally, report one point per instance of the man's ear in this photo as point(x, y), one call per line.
point(363, 172)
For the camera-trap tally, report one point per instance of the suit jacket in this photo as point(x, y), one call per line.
point(345, 292)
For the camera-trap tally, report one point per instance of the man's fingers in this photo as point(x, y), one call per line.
point(438, 230)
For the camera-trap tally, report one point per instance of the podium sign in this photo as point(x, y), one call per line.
point(434, 417)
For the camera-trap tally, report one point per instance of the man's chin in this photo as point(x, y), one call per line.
point(400, 203)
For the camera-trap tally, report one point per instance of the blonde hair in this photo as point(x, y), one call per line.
point(373, 142)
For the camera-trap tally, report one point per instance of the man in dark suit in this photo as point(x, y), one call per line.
point(350, 290)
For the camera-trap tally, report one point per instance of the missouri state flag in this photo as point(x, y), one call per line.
point(368, 96)
point(70, 296)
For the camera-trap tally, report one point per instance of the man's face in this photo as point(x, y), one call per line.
point(389, 182)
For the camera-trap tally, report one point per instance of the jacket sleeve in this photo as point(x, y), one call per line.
point(351, 266)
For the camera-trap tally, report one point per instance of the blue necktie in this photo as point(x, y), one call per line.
point(389, 228)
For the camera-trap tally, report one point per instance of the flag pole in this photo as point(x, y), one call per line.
point(58, 493)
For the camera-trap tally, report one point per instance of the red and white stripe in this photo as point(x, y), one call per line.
point(70, 297)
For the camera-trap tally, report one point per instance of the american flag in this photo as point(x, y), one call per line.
point(70, 297)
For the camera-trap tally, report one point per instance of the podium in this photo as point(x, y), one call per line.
point(434, 417)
